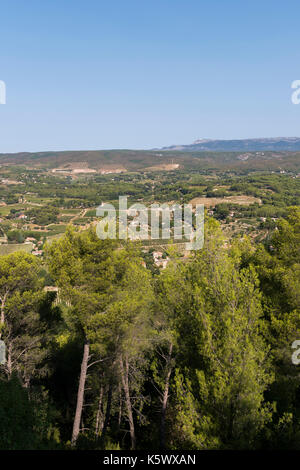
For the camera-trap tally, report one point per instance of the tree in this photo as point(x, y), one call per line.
point(82, 267)
point(171, 290)
point(108, 292)
point(16, 417)
point(278, 268)
point(224, 365)
point(21, 327)
point(126, 330)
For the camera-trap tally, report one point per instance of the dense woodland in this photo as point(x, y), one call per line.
point(198, 356)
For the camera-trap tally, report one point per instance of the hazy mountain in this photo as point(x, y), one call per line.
point(241, 145)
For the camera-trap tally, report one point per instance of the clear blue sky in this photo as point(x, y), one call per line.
point(142, 74)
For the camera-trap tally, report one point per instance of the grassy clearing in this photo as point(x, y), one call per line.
point(5, 210)
point(213, 201)
point(39, 200)
point(91, 213)
point(71, 211)
point(11, 248)
point(65, 218)
point(56, 229)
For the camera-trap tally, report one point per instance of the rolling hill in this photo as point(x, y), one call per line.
point(115, 161)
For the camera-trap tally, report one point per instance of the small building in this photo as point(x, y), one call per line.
point(157, 254)
point(162, 263)
point(30, 239)
point(37, 252)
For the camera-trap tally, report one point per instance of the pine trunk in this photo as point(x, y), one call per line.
point(99, 417)
point(162, 439)
point(2, 313)
point(80, 393)
point(9, 360)
point(125, 382)
point(107, 412)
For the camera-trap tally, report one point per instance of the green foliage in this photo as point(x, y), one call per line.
point(195, 356)
point(43, 215)
point(224, 358)
point(16, 417)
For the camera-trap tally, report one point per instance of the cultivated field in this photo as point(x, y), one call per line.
point(12, 247)
point(213, 201)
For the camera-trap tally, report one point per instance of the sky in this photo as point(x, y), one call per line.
point(142, 74)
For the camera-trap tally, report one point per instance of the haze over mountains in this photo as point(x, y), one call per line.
point(241, 145)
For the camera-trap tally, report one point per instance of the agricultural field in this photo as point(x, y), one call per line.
point(246, 200)
point(6, 249)
point(213, 201)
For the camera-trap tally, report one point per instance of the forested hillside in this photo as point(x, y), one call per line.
point(133, 160)
point(104, 353)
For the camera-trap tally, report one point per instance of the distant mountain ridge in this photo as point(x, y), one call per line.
point(240, 145)
point(278, 154)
